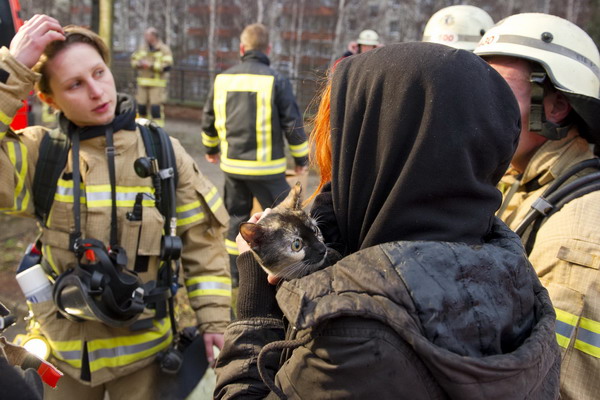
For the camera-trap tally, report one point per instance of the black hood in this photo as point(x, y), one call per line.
point(124, 119)
point(421, 134)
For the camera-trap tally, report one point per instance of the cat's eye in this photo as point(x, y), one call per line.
point(297, 245)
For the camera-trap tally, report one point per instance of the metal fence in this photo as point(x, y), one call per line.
point(189, 86)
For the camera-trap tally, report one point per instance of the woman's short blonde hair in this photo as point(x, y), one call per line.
point(73, 34)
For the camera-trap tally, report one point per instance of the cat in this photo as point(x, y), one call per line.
point(287, 242)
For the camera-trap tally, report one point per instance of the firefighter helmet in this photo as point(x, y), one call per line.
point(460, 26)
point(368, 37)
point(566, 53)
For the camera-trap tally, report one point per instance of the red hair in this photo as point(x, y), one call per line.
point(320, 139)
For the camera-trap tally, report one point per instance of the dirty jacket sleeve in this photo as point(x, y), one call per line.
point(18, 151)
point(291, 120)
point(201, 223)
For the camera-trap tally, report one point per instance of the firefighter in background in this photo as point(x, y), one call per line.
point(152, 63)
point(247, 113)
point(460, 26)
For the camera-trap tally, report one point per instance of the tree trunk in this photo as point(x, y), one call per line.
point(212, 53)
point(337, 40)
point(298, 47)
point(106, 23)
point(168, 16)
point(260, 12)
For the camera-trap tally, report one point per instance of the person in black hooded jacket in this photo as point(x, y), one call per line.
point(435, 298)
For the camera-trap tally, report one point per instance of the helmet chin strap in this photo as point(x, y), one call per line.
point(537, 116)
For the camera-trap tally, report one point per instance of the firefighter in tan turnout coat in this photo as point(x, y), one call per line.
point(152, 63)
point(74, 78)
point(552, 67)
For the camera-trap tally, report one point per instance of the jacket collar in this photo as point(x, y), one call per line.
point(256, 56)
point(124, 119)
point(554, 157)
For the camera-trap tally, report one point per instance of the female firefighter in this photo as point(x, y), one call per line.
point(102, 240)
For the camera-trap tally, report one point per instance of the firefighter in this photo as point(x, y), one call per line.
point(152, 63)
point(552, 67)
point(249, 110)
point(460, 26)
point(99, 198)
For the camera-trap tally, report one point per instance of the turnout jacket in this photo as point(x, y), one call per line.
point(201, 224)
point(160, 59)
point(247, 112)
point(405, 320)
point(566, 257)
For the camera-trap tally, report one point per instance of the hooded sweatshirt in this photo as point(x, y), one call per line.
point(421, 133)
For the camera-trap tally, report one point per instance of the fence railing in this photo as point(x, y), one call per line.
point(189, 86)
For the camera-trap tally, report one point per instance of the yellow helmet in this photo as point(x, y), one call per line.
point(568, 55)
point(460, 26)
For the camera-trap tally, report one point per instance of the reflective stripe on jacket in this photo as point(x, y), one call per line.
point(161, 59)
point(114, 352)
point(566, 257)
point(248, 110)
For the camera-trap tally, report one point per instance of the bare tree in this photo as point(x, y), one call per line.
point(339, 23)
point(212, 53)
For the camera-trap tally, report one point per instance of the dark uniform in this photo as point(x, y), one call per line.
point(249, 109)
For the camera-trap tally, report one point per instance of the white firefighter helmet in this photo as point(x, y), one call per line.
point(460, 26)
point(368, 37)
point(568, 55)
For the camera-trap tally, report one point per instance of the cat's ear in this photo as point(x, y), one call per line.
point(293, 201)
point(251, 232)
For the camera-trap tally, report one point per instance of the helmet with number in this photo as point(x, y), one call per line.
point(368, 37)
point(566, 53)
point(459, 26)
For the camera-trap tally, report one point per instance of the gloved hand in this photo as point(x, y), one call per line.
point(256, 297)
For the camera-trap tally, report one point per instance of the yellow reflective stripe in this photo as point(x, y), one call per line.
point(208, 286)
point(565, 327)
point(231, 247)
point(47, 253)
point(299, 150)
point(100, 195)
point(167, 59)
point(245, 167)
point(17, 154)
point(64, 191)
point(5, 119)
point(192, 212)
point(588, 337)
point(189, 213)
point(123, 350)
point(262, 85)
point(209, 141)
point(68, 351)
point(151, 82)
point(3, 133)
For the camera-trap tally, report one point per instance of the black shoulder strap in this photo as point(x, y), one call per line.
point(52, 159)
point(559, 193)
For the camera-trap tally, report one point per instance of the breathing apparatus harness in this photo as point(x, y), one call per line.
point(556, 196)
point(100, 287)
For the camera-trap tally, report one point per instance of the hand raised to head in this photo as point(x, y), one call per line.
point(32, 38)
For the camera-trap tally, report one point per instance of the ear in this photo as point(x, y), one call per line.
point(293, 201)
point(269, 50)
point(251, 232)
point(557, 107)
point(46, 98)
point(242, 49)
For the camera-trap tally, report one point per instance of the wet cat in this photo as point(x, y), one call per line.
point(287, 242)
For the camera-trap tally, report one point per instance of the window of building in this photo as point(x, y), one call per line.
point(373, 10)
point(394, 26)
